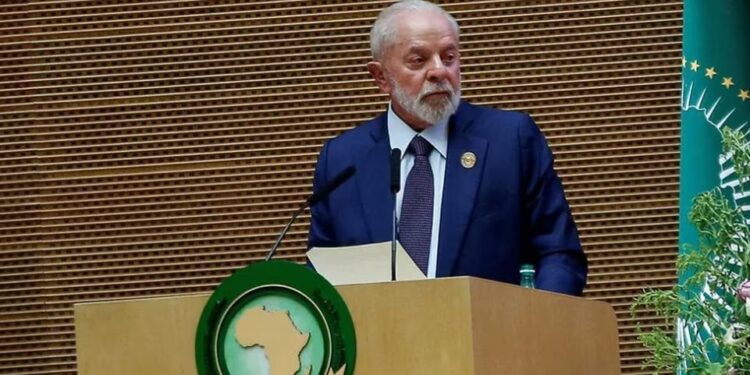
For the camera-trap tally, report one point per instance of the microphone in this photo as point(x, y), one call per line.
point(395, 187)
point(331, 186)
point(395, 170)
point(312, 200)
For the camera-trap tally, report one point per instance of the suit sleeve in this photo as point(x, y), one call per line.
point(551, 238)
point(321, 226)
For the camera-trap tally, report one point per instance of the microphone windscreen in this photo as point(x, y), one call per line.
point(395, 170)
point(332, 185)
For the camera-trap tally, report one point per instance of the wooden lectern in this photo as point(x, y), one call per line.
point(452, 326)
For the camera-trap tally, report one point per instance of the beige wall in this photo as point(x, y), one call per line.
point(152, 147)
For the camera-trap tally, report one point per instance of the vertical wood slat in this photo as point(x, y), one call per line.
point(152, 147)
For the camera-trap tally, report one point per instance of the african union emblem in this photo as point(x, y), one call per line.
point(275, 318)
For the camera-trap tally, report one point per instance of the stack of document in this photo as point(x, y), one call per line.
point(363, 264)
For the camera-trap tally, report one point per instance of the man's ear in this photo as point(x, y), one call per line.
point(377, 72)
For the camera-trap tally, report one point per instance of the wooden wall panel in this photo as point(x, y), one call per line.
point(152, 147)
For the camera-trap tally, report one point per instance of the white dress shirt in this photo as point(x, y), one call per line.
point(400, 135)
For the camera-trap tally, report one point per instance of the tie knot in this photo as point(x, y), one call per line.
point(420, 146)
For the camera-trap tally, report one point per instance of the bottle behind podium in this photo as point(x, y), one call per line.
point(527, 276)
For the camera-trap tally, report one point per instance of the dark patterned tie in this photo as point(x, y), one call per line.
point(415, 224)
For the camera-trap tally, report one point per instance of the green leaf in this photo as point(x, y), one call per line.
point(714, 369)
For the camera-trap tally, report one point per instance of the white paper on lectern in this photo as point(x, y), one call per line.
point(363, 264)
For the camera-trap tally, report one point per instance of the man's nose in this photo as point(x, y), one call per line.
point(437, 70)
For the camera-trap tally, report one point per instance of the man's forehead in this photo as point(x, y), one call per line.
point(413, 29)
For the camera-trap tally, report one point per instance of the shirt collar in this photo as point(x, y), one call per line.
point(400, 134)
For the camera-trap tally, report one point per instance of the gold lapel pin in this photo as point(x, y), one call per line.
point(468, 159)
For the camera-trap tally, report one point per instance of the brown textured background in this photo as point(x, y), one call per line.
point(151, 147)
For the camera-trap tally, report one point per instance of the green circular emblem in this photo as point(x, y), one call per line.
point(275, 318)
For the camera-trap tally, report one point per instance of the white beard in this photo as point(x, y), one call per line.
point(439, 108)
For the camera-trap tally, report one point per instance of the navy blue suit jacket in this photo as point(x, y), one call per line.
point(507, 210)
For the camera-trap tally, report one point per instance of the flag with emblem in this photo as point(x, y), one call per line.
point(715, 95)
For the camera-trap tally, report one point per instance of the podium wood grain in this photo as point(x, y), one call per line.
point(138, 337)
point(444, 326)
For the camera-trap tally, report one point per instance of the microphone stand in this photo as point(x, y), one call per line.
point(283, 232)
point(393, 245)
point(395, 187)
point(312, 200)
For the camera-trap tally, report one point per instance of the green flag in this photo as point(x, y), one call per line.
point(715, 94)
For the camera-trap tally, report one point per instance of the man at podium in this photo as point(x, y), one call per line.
point(478, 194)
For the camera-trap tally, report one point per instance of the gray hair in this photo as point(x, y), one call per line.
point(382, 32)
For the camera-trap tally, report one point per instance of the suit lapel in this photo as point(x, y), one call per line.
point(459, 189)
point(373, 183)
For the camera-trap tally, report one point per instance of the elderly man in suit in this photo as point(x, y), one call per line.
point(479, 194)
